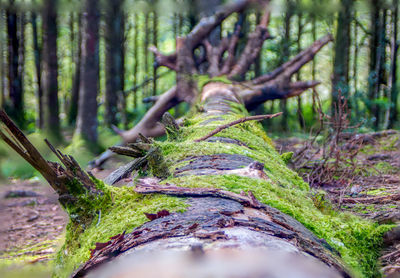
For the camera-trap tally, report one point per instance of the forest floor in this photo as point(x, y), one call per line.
point(32, 222)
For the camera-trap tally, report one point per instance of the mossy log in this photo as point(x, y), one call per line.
point(196, 61)
point(209, 203)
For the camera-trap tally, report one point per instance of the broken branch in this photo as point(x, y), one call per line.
point(239, 121)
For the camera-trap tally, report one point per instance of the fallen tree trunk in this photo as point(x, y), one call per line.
point(208, 207)
point(214, 199)
point(221, 62)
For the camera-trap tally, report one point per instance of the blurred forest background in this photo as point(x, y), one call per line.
point(73, 70)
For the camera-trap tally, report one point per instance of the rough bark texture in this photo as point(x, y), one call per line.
point(51, 119)
point(392, 114)
point(70, 182)
point(38, 68)
point(2, 64)
point(213, 62)
point(15, 106)
point(341, 61)
point(215, 218)
point(88, 89)
point(114, 39)
point(73, 106)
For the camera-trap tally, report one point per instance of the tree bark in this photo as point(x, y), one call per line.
point(392, 113)
point(155, 43)
point(38, 70)
point(51, 123)
point(146, 44)
point(114, 40)
point(377, 49)
point(136, 58)
point(73, 106)
point(2, 60)
point(89, 85)
point(340, 81)
point(286, 42)
point(299, 35)
point(313, 67)
point(187, 64)
point(16, 105)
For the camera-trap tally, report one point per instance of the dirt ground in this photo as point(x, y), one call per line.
point(373, 189)
point(32, 223)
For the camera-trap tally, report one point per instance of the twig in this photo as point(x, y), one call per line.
point(151, 186)
point(239, 121)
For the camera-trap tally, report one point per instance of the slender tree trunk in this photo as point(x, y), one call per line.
point(177, 31)
point(155, 43)
point(340, 81)
point(356, 106)
point(394, 94)
point(355, 54)
point(373, 49)
point(380, 66)
point(21, 47)
point(146, 52)
point(313, 67)
point(73, 106)
point(286, 41)
point(51, 122)
point(2, 63)
point(114, 41)
point(38, 70)
point(89, 85)
point(257, 62)
point(299, 35)
point(122, 96)
point(136, 58)
point(16, 105)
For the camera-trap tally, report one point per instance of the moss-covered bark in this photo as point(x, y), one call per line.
point(357, 240)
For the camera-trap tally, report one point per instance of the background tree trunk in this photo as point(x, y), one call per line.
point(392, 116)
point(16, 105)
point(285, 55)
point(76, 81)
point(340, 81)
point(155, 43)
point(136, 59)
point(377, 57)
point(2, 60)
point(50, 70)
point(146, 44)
point(38, 69)
point(300, 26)
point(114, 40)
point(89, 85)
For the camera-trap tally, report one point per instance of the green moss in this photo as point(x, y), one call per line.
point(121, 209)
point(17, 262)
point(202, 80)
point(356, 239)
point(376, 192)
point(124, 211)
point(286, 157)
point(385, 167)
